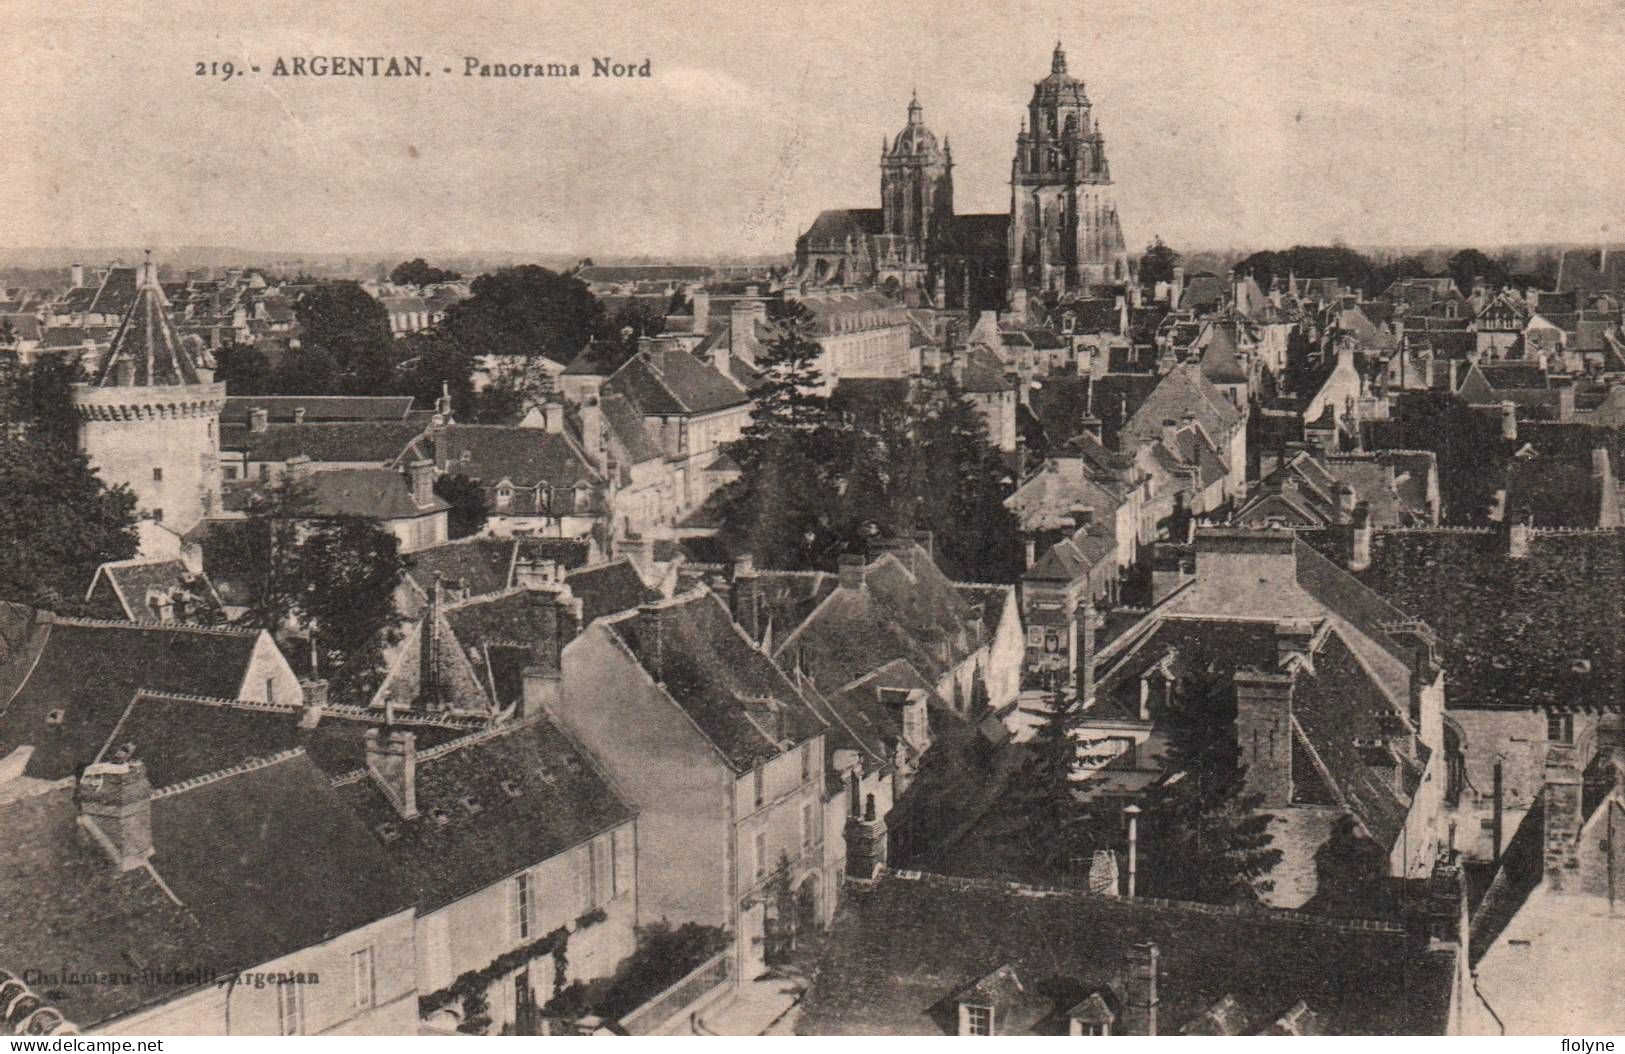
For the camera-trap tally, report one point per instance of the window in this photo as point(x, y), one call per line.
point(361, 971)
point(618, 876)
point(601, 862)
point(975, 1020)
point(1035, 636)
point(157, 475)
point(806, 763)
point(265, 472)
point(521, 907)
point(807, 819)
point(270, 689)
point(1560, 728)
point(759, 778)
point(290, 1009)
point(761, 854)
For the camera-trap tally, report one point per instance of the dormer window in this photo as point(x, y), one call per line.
point(975, 1020)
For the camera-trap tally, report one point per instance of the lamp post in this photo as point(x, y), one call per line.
point(1133, 814)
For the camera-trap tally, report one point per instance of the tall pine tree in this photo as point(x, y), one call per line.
point(1203, 837)
point(1055, 833)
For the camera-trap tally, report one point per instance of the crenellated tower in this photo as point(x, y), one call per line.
point(1064, 231)
point(150, 416)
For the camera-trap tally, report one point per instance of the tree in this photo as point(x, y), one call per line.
point(526, 311)
point(1157, 263)
point(432, 364)
point(1470, 265)
point(330, 579)
point(59, 523)
point(1203, 836)
point(37, 400)
point(1311, 261)
point(1055, 832)
point(245, 370)
point(418, 272)
point(469, 508)
point(351, 327)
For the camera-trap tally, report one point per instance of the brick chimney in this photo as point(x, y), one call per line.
point(314, 691)
point(259, 419)
point(851, 568)
point(392, 760)
point(742, 330)
point(541, 690)
point(1518, 532)
point(1293, 638)
point(420, 474)
point(1140, 966)
point(1089, 623)
point(1360, 538)
point(297, 467)
point(1345, 503)
point(655, 633)
point(1565, 398)
point(1509, 420)
point(1170, 434)
point(115, 806)
point(1264, 733)
point(594, 438)
point(701, 310)
point(1561, 796)
point(299, 415)
point(744, 598)
point(553, 417)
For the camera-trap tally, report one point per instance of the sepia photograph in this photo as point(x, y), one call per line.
point(698, 518)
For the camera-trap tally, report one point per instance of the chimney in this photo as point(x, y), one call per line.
point(851, 569)
point(76, 275)
point(299, 415)
point(701, 310)
point(1565, 398)
point(536, 574)
point(297, 467)
point(654, 635)
point(1264, 733)
point(1345, 503)
point(1293, 638)
point(553, 417)
point(1032, 551)
point(314, 691)
point(1600, 466)
point(1089, 621)
point(1360, 539)
point(392, 760)
point(1518, 532)
point(259, 419)
point(541, 690)
point(1561, 797)
point(1170, 434)
point(115, 806)
point(1140, 990)
point(1509, 420)
point(420, 474)
point(1176, 291)
point(742, 330)
point(1446, 905)
point(594, 439)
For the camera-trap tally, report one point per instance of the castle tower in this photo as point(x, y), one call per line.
point(1064, 232)
point(917, 201)
point(150, 416)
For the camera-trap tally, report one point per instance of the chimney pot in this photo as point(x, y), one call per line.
point(1140, 1000)
point(420, 475)
point(115, 803)
point(393, 762)
point(259, 419)
point(314, 691)
point(852, 567)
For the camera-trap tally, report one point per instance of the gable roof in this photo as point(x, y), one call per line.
point(665, 382)
point(91, 670)
point(609, 588)
point(318, 408)
point(1185, 389)
point(526, 457)
point(371, 442)
point(490, 805)
point(381, 493)
point(132, 582)
point(902, 946)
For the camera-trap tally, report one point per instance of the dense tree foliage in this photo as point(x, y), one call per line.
point(1468, 266)
point(526, 311)
point(59, 521)
point(1461, 439)
point(468, 505)
point(345, 341)
point(1311, 261)
point(330, 580)
point(1157, 263)
point(1203, 837)
point(418, 272)
point(1055, 833)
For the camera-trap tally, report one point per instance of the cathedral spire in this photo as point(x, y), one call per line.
point(914, 108)
point(1058, 63)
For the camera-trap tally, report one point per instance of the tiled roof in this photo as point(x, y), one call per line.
point(133, 581)
point(598, 359)
point(479, 565)
point(146, 350)
point(381, 493)
point(369, 442)
point(902, 947)
point(91, 670)
point(489, 806)
point(1184, 390)
point(662, 382)
point(609, 588)
point(1061, 404)
point(318, 408)
point(526, 457)
point(116, 293)
point(1220, 359)
point(1543, 630)
point(836, 225)
point(736, 696)
point(625, 423)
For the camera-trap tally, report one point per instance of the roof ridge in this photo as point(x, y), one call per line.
point(215, 700)
point(249, 765)
point(993, 885)
point(102, 623)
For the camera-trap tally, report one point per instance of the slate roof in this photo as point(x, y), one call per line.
point(146, 350)
point(482, 564)
point(1221, 361)
point(381, 493)
point(91, 671)
point(1542, 631)
point(180, 738)
point(598, 359)
point(116, 293)
point(609, 588)
point(534, 795)
point(667, 382)
point(526, 457)
point(1508, 376)
point(133, 581)
point(740, 701)
point(626, 425)
point(361, 442)
point(1184, 390)
point(318, 408)
point(1062, 403)
point(978, 234)
point(836, 225)
point(902, 947)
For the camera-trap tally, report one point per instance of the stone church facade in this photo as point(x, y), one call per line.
point(1061, 234)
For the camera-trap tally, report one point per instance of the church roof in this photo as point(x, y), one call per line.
point(146, 350)
point(915, 139)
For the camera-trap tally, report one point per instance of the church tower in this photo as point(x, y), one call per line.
point(1064, 232)
point(150, 416)
point(917, 201)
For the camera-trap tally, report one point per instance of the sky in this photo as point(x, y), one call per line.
point(1227, 124)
